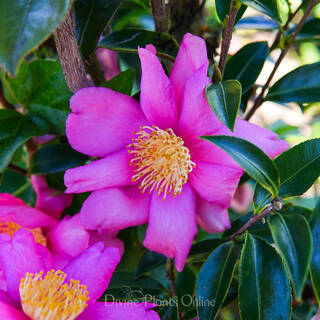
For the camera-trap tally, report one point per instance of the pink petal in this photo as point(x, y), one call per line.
point(109, 239)
point(20, 255)
point(60, 260)
point(157, 94)
point(50, 201)
point(68, 236)
point(102, 121)
point(242, 198)
point(15, 210)
point(197, 119)
point(191, 56)
point(212, 217)
point(94, 268)
point(7, 300)
point(263, 138)
point(109, 62)
point(215, 183)
point(111, 171)
point(119, 311)
point(172, 225)
point(115, 209)
point(8, 312)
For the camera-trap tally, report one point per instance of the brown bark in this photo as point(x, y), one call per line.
point(70, 57)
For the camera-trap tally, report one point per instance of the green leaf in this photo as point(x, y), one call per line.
point(264, 291)
point(252, 159)
point(223, 7)
point(315, 261)
point(224, 99)
point(50, 97)
point(300, 85)
point(123, 82)
point(246, 65)
point(268, 7)
point(310, 31)
point(149, 261)
point(185, 284)
point(15, 130)
point(55, 158)
point(51, 88)
point(215, 278)
point(24, 24)
point(128, 40)
point(299, 167)
point(92, 17)
point(292, 236)
point(18, 89)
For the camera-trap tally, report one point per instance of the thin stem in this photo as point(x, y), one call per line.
point(22, 189)
point(276, 205)
point(227, 35)
point(260, 98)
point(69, 54)
point(252, 221)
point(171, 275)
point(160, 15)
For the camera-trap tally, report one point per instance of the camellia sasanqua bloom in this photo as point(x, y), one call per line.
point(64, 238)
point(155, 148)
point(38, 291)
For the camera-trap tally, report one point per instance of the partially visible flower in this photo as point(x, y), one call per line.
point(65, 239)
point(35, 290)
point(155, 147)
point(109, 62)
point(242, 198)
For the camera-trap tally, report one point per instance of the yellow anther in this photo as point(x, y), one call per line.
point(161, 160)
point(11, 227)
point(50, 298)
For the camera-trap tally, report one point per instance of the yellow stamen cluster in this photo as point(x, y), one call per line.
point(49, 298)
point(161, 160)
point(11, 227)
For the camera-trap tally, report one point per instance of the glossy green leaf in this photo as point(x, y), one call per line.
point(300, 85)
point(123, 82)
point(24, 24)
point(185, 284)
point(292, 236)
point(246, 65)
point(264, 291)
point(16, 129)
point(214, 279)
point(224, 99)
point(149, 261)
point(55, 158)
point(223, 7)
point(128, 40)
point(299, 167)
point(252, 159)
point(315, 261)
point(268, 7)
point(92, 17)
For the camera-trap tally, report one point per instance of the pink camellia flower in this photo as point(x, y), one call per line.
point(65, 239)
point(109, 62)
point(38, 291)
point(155, 147)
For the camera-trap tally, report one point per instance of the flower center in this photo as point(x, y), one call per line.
point(49, 298)
point(11, 227)
point(161, 160)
